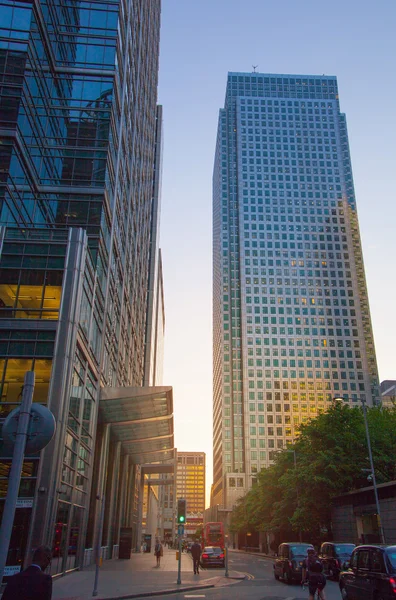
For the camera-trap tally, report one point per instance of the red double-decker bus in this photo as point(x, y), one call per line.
point(213, 535)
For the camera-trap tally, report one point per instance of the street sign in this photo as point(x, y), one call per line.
point(40, 432)
point(180, 530)
point(11, 570)
point(24, 503)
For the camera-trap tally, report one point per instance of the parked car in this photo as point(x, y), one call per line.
point(334, 557)
point(288, 563)
point(371, 574)
point(212, 556)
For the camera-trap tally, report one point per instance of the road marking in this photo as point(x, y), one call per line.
point(248, 576)
point(194, 596)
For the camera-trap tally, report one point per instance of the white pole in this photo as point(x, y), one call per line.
point(14, 479)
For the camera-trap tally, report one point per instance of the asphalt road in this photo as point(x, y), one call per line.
point(259, 585)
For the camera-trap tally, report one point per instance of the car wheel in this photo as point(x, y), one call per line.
point(344, 593)
point(286, 577)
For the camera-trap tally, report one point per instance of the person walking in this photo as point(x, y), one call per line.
point(32, 583)
point(196, 555)
point(158, 551)
point(312, 572)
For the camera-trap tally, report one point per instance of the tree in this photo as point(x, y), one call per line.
point(331, 459)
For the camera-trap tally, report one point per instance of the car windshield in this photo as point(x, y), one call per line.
point(344, 549)
point(299, 550)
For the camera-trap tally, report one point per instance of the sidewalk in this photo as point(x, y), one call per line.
point(138, 578)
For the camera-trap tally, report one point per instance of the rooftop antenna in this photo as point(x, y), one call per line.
point(254, 68)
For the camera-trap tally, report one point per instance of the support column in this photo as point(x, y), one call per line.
point(120, 520)
point(140, 514)
point(112, 496)
point(103, 448)
point(130, 496)
point(45, 503)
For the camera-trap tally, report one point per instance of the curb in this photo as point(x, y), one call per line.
point(160, 592)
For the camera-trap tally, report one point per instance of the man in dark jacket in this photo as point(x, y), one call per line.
point(196, 555)
point(32, 583)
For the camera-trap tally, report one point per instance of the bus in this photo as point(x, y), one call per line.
point(213, 535)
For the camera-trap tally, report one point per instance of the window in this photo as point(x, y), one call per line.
point(377, 561)
point(363, 559)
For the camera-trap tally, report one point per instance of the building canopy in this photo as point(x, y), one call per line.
point(142, 419)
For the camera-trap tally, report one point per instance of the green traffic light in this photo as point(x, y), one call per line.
point(181, 519)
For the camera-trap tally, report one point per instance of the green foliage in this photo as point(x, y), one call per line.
point(331, 458)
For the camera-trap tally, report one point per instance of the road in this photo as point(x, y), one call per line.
point(260, 584)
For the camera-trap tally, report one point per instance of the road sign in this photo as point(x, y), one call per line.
point(40, 432)
point(11, 570)
point(180, 530)
point(24, 503)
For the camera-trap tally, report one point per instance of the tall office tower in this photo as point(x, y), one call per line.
point(190, 484)
point(80, 143)
point(292, 323)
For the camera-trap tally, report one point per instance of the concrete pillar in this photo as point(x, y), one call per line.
point(45, 503)
point(103, 448)
point(140, 513)
point(121, 499)
point(112, 491)
point(130, 495)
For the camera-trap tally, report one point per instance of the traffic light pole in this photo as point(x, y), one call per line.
point(227, 574)
point(179, 565)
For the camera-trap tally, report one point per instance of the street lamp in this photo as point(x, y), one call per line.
point(364, 407)
point(298, 496)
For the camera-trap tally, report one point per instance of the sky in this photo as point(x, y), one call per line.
point(201, 40)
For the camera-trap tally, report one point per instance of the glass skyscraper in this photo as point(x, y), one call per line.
point(291, 319)
point(80, 269)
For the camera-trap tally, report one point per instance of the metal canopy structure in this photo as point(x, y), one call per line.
point(141, 419)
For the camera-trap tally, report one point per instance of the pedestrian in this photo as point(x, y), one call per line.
point(32, 583)
point(312, 573)
point(196, 555)
point(158, 551)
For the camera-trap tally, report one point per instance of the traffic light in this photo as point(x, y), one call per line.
point(181, 511)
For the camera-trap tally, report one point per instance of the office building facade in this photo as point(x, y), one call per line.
point(79, 196)
point(291, 320)
point(190, 484)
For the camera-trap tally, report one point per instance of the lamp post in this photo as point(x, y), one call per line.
point(364, 407)
point(297, 492)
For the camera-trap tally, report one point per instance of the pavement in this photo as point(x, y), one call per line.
point(138, 577)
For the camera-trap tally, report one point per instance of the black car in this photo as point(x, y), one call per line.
point(288, 563)
point(334, 556)
point(213, 556)
point(371, 574)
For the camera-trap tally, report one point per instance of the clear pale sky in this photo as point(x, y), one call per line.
point(201, 40)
